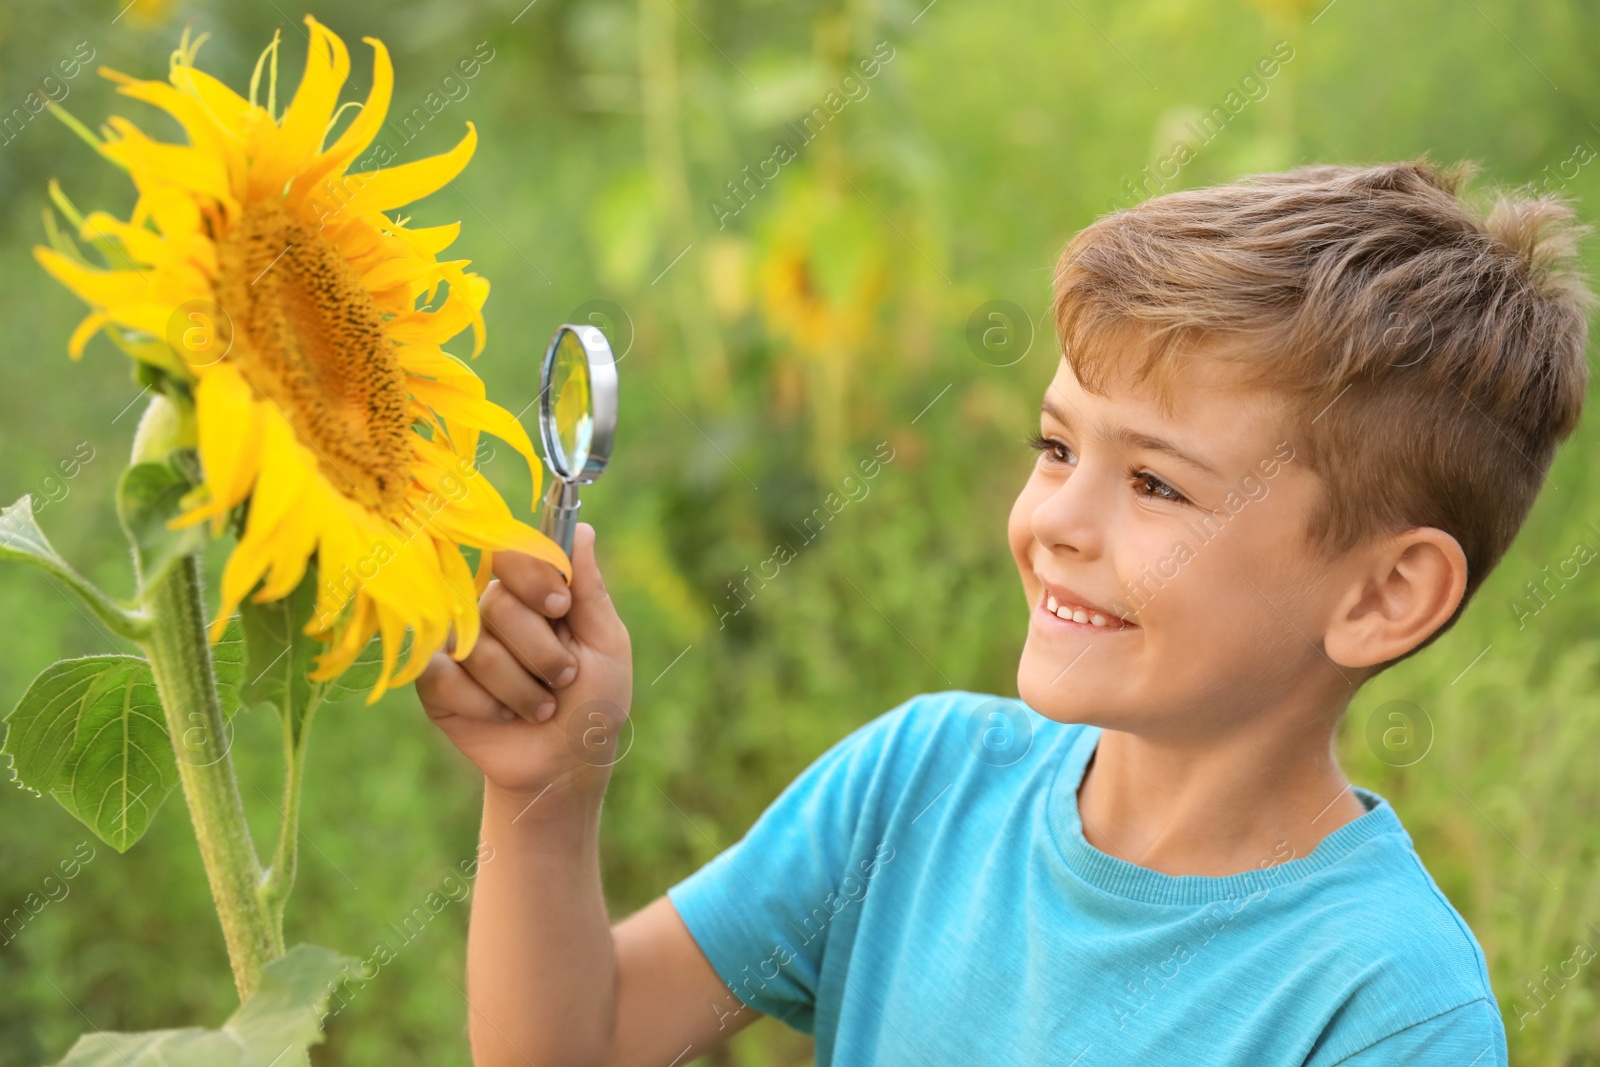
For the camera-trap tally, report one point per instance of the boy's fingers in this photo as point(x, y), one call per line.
point(535, 582)
point(592, 618)
point(528, 635)
point(447, 691)
point(493, 667)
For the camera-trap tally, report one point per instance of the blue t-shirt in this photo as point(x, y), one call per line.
point(923, 894)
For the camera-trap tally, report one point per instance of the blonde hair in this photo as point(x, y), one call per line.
point(1431, 353)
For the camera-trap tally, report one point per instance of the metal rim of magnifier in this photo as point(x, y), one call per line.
point(602, 402)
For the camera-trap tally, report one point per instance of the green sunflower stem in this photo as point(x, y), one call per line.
point(280, 877)
point(180, 659)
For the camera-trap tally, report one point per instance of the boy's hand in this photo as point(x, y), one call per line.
point(540, 701)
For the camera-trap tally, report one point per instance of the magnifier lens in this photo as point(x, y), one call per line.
point(571, 404)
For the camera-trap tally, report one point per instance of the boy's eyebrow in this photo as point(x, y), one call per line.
point(1123, 437)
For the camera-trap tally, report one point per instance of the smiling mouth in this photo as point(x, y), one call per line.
point(1078, 617)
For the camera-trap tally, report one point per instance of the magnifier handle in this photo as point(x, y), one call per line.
point(559, 517)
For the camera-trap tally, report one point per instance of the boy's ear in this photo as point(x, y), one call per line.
point(1403, 589)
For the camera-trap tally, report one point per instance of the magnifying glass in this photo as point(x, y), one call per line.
point(577, 420)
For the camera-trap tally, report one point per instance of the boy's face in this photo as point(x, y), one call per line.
point(1224, 608)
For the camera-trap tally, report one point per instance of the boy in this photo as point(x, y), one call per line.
point(1298, 420)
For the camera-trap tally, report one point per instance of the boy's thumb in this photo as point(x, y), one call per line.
point(592, 617)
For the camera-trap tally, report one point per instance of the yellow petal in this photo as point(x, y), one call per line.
point(339, 552)
point(174, 213)
point(296, 540)
point(227, 109)
point(434, 362)
point(397, 271)
point(464, 583)
point(429, 241)
point(476, 290)
point(253, 552)
point(392, 187)
point(228, 423)
point(461, 309)
point(339, 655)
point(455, 452)
point(141, 244)
point(204, 130)
point(92, 324)
point(299, 136)
point(479, 517)
point(425, 640)
point(102, 288)
point(362, 129)
point(393, 633)
point(357, 241)
point(280, 530)
point(458, 408)
point(485, 572)
point(154, 165)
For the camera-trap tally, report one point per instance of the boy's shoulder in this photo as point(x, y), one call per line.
point(1382, 936)
point(1379, 921)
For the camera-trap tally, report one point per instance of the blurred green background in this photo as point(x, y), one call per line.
point(770, 344)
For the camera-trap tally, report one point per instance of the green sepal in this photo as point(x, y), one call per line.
point(91, 733)
point(148, 495)
point(274, 1028)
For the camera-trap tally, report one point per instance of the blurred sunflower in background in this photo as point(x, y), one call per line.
point(266, 285)
point(820, 283)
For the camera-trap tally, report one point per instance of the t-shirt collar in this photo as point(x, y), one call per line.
point(1126, 879)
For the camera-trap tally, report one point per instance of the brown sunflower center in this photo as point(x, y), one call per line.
point(308, 337)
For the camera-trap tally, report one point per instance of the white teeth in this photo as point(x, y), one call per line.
point(1079, 615)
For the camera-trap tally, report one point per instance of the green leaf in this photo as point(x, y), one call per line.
point(279, 656)
point(227, 663)
point(91, 733)
point(149, 494)
point(362, 674)
point(21, 539)
point(274, 1028)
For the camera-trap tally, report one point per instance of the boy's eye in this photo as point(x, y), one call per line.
point(1144, 482)
point(1053, 448)
point(1154, 487)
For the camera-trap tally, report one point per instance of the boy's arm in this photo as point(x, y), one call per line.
point(548, 980)
point(551, 982)
point(672, 1006)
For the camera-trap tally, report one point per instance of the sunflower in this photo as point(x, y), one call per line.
point(821, 284)
point(267, 282)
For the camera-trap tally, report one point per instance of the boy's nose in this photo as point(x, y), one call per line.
point(1072, 518)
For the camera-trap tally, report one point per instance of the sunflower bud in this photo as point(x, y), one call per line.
point(164, 428)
